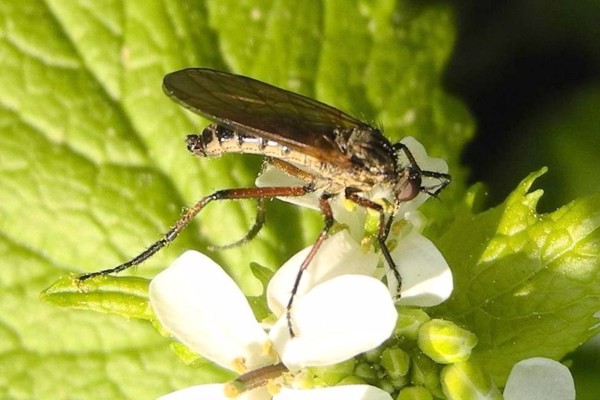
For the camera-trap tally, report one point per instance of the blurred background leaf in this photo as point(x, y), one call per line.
point(529, 72)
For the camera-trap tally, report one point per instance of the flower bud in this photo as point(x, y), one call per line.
point(464, 381)
point(409, 321)
point(396, 362)
point(445, 342)
point(415, 393)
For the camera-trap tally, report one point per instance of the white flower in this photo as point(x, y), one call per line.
point(426, 277)
point(199, 304)
point(341, 307)
point(539, 378)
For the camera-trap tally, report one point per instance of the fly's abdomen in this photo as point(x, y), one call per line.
point(217, 139)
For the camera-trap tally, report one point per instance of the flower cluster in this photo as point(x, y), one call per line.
point(354, 338)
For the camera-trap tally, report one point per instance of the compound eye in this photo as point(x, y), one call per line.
point(411, 189)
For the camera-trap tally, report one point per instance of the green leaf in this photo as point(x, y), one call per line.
point(259, 303)
point(525, 283)
point(125, 296)
point(94, 165)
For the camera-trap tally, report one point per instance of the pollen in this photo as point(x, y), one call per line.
point(239, 365)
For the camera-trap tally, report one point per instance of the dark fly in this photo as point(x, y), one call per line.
point(327, 149)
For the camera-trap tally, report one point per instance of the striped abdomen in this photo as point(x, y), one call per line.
point(216, 140)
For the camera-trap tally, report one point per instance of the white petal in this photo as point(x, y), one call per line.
point(416, 221)
point(274, 177)
point(335, 321)
point(214, 391)
point(426, 162)
point(347, 392)
point(197, 302)
point(426, 277)
point(539, 378)
point(340, 254)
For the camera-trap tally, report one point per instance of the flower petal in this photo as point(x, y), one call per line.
point(425, 162)
point(426, 277)
point(197, 302)
point(347, 392)
point(335, 321)
point(214, 391)
point(339, 254)
point(539, 378)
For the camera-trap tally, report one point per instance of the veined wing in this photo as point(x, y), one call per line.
point(247, 105)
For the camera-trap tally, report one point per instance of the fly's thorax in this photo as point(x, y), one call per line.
point(368, 150)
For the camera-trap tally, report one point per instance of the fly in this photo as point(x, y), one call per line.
point(324, 147)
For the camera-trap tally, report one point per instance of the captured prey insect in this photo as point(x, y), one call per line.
point(327, 149)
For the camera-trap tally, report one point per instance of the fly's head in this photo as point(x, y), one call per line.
point(407, 185)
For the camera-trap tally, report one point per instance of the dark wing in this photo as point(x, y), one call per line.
point(247, 105)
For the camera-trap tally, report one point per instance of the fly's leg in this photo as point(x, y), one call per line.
point(352, 194)
point(328, 217)
point(186, 218)
point(289, 169)
point(259, 222)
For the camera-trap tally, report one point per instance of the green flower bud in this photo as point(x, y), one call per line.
point(331, 375)
point(425, 372)
point(409, 321)
point(366, 372)
point(386, 385)
point(401, 382)
point(396, 362)
point(445, 342)
point(373, 356)
point(352, 380)
point(465, 381)
point(415, 393)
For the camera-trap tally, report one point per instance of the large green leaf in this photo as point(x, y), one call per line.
point(94, 166)
point(525, 283)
